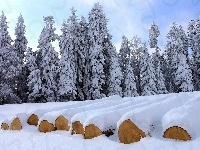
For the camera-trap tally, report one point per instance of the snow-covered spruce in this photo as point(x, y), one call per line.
point(103, 120)
point(147, 73)
point(186, 118)
point(142, 121)
point(48, 63)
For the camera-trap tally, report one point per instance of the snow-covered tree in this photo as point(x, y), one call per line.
point(115, 75)
point(33, 80)
point(124, 58)
point(160, 80)
point(130, 89)
point(147, 73)
point(20, 46)
point(176, 45)
point(67, 74)
point(183, 75)
point(9, 66)
point(84, 62)
point(153, 35)
point(5, 39)
point(48, 64)
point(135, 50)
point(194, 42)
point(97, 32)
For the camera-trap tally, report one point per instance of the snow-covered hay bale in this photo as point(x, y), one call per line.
point(77, 128)
point(177, 133)
point(4, 126)
point(16, 124)
point(128, 132)
point(45, 126)
point(61, 123)
point(33, 120)
point(92, 131)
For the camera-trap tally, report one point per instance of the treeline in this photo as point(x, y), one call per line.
point(89, 66)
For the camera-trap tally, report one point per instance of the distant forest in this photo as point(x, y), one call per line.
point(89, 67)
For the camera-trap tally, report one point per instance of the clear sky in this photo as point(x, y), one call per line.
point(126, 17)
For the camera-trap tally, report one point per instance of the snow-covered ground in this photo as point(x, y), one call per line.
point(30, 138)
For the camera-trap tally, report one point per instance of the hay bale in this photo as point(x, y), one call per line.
point(128, 132)
point(61, 123)
point(16, 124)
point(77, 128)
point(45, 126)
point(4, 126)
point(92, 131)
point(177, 133)
point(33, 120)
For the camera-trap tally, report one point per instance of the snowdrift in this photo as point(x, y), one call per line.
point(144, 120)
point(182, 123)
point(104, 120)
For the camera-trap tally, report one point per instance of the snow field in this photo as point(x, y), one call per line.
point(185, 116)
point(149, 117)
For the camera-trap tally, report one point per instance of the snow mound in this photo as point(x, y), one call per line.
point(185, 116)
point(69, 112)
point(149, 116)
point(106, 118)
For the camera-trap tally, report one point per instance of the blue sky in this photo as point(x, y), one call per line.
point(126, 17)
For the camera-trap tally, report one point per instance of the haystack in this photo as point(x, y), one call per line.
point(16, 124)
point(177, 133)
point(4, 126)
point(92, 131)
point(77, 128)
point(61, 123)
point(128, 132)
point(33, 120)
point(45, 126)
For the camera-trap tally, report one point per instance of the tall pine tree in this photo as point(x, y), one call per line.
point(48, 64)
point(20, 46)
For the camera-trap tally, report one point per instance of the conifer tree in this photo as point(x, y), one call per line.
point(67, 75)
point(194, 40)
point(124, 58)
point(48, 65)
point(183, 75)
point(115, 75)
point(97, 32)
point(34, 80)
point(136, 54)
point(177, 45)
point(153, 34)
point(20, 46)
point(147, 72)
point(10, 68)
point(130, 89)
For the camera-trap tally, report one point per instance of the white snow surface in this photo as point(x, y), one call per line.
point(70, 111)
point(65, 105)
point(171, 109)
point(185, 116)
